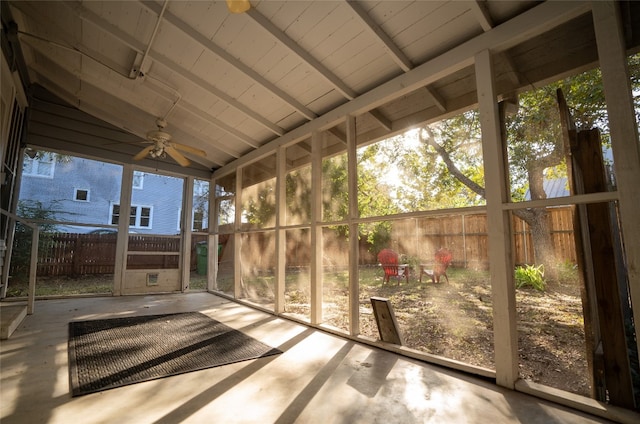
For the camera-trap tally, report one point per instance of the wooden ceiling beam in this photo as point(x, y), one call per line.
point(97, 82)
point(535, 21)
point(139, 47)
point(436, 98)
point(480, 11)
point(302, 54)
point(338, 134)
point(380, 119)
point(483, 16)
point(397, 55)
point(390, 47)
point(222, 54)
point(140, 116)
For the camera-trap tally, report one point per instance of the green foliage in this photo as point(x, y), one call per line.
point(335, 193)
point(530, 276)
point(261, 210)
point(298, 186)
point(412, 261)
point(441, 165)
point(21, 253)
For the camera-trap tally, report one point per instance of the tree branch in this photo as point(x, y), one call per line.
point(451, 167)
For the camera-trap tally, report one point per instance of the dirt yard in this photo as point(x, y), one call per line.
point(455, 320)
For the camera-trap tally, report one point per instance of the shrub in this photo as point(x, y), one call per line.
point(530, 276)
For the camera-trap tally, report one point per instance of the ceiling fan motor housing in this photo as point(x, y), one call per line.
point(158, 136)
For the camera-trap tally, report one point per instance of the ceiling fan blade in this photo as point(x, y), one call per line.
point(189, 149)
point(143, 153)
point(177, 156)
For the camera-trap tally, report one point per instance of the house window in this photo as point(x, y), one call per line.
point(198, 220)
point(115, 214)
point(81, 195)
point(39, 166)
point(139, 216)
point(138, 179)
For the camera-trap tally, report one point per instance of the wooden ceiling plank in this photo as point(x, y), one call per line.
point(535, 21)
point(96, 81)
point(295, 48)
point(222, 54)
point(196, 80)
point(93, 18)
point(396, 54)
point(208, 118)
point(138, 47)
point(398, 57)
point(85, 105)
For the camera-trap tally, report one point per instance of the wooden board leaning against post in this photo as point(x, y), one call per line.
point(386, 320)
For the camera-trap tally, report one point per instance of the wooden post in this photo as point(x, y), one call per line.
point(317, 140)
point(184, 245)
point(580, 227)
point(588, 157)
point(33, 267)
point(499, 226)
point(354, 251)
point(612, 54)
point(281, 235)
point(238, 282)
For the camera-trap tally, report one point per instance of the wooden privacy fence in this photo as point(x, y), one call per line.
point(418, 238)
point(80, 254)
point(464, 234)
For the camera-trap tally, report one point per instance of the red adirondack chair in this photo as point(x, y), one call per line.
point(389, 261)
point(443, 258)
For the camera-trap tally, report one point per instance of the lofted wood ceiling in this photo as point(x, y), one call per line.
point(232, 83)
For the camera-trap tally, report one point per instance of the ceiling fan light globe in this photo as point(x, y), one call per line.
point(238, 6)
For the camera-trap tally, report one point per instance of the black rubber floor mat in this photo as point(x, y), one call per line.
point(104, 354)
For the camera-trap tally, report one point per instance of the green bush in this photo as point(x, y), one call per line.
point(530, 276)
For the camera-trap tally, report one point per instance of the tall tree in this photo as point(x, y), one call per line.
point(534, 148)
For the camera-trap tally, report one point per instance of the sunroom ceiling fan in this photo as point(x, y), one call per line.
point(161, 146)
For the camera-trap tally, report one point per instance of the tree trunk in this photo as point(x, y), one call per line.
point(543, 247)
point(538, 220)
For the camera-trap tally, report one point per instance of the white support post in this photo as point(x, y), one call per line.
point(237, 238)
point(624, 136)
point(186, 224)
point(213, 239)
point(354, 277)
point(500, 259)
point(281, 208)
point(316, 229)
point(122, 242)
point(33, 268)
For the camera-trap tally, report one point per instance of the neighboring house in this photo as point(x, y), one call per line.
point(559, 187)
point(88, 192)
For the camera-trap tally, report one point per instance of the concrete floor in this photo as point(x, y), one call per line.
point(320, 378)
